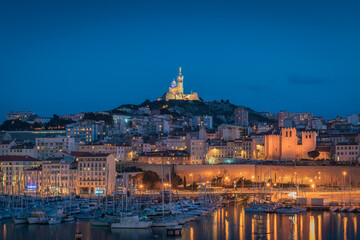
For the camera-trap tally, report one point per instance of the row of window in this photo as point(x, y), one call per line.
point(92, 173)
point(347, 153)
point(91, 179)
point(347, 147)
point(92, 164)
point(91, 183)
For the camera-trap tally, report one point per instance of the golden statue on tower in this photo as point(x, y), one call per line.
point(176, 91)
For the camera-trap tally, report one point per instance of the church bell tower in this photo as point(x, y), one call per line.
point(180, 82)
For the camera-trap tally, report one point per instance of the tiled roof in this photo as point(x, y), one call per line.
point(8, 158)
point(87, 154)
point(168, 153)
point(323, 148)
point(346, 144)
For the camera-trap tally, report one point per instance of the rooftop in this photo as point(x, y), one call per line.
point(87, 154)
point(8, 158)
point(168, 153)
point(347, 144)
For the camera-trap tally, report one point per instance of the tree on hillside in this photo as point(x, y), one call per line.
point(313, 154)
point(37, 126)
point(151, 180)
point(57, 122)
point(108, 119)
point(15, 125)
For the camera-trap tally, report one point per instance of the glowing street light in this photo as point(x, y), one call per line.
point(192, 178)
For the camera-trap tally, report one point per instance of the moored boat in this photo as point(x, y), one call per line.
point(20, 220)
point(131, 223)
point(54, 220)
point(38, 217)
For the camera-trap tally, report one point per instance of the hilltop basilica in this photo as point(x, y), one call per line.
point(176, 91)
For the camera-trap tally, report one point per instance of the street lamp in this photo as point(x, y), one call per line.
point(192, 178)
point(343, 185)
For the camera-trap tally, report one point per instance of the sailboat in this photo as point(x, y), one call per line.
point(69, 218)
point(104, 220)
point(169, 221)
point(54, 220)
point(38, 217)
point(131, 222)
point(21, 218)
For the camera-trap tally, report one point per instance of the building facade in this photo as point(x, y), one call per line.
point(85, 131)
point(176, 91)
point(288, 146)
point(165, 157)
point(27, 149)
point(230, 132)
point(12, 172)
point(347, 152)
point(96, 174)
point(23, 116)
point(49, 147)
point(203, 121)
point(241, 116)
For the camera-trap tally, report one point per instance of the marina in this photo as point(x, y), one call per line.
point(229, 222)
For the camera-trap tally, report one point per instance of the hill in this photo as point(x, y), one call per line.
point(221, 111)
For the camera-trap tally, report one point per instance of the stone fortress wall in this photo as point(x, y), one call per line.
point(318, 175)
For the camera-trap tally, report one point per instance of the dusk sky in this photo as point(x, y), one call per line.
point(66, 57)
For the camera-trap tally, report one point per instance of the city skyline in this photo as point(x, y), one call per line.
point(180, 119)
point(68, 58)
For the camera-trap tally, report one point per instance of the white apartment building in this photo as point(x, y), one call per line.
point(49, 147)
point(85, 132)
point(5, 147)
point(58, 177)
point(12, 172)
point(23, 116)
point(96, 174)
point(197, 150)
point(203, 121)
point(175, 143)
point(23, 150)
point(230, 132)
point(347, 152)
point(121, 152)
point(74, 117)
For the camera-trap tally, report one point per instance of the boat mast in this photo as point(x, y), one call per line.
point(162, 189)
point(170, 186)
point(106, 190)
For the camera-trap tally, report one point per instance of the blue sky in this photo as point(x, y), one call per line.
point(65, 57)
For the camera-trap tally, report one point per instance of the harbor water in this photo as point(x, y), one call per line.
point(230, 222)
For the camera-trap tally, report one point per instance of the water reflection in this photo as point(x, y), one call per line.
point(228, 223)
point(242, 224)
point(345, 221)
point(319, 227)
point(355, 224)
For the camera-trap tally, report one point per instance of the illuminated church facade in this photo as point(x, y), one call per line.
point(176, 91)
